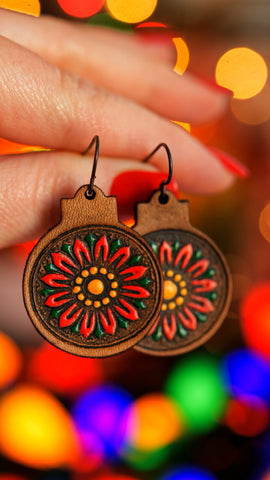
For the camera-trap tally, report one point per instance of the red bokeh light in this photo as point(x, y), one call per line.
point(81, 8)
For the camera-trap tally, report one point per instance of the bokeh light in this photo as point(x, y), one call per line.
point(81, 8)
point(184, 125)
point(10, 361)
point(247, 416)
point(133, 11)
point(156, 422)
point(196, 385)
point(35, 429)
point(100, 415)
point(243, 71)
point(147, 460)
point(255, 110)
point(29, 7)
point(7, 147)
point(188, 473)
point(255, 315)
point(247, 373)
point(264, 222)
point(63, 372)
point(182, 59)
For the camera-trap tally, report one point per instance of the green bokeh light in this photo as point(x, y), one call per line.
point(196, 385)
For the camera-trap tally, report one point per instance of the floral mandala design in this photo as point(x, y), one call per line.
point(193, 295)
point(94, 285)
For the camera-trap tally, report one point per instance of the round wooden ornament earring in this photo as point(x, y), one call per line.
point(197, 281)
point(92, 286)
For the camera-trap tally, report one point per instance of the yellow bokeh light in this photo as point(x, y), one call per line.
point(30, 7)
point(255, 110)
point(156, 422)
point(35, 429)
point(264, 222)
point(131, 11)
point(182, 60)
point(10, 361)
point(243, 71)
point(186, 126)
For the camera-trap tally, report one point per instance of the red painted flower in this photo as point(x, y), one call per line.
point(187, 285)
point(95, 285)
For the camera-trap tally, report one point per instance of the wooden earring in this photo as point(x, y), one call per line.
point(92, 286)
point(197, 281)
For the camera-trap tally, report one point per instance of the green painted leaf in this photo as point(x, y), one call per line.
point(115, 245)
point(154, 247)
point(67, 248)
point(210, 273)
point(122, 323)
point(197, 254)
point(135, 259)
point(139, 304)
point(157, 335)
point(55, 313)
point(98, 331)
point(47, 291)
point(201, 317)
point(51, 268)
point(76, 328)
point(182, 331)
point(212, 295)
point(90, 239)
point(144, 282)
point(176, 246)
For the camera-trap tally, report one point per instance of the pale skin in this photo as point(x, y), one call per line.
point(61, 84)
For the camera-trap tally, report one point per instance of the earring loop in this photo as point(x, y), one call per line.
point(90, 193)
point(163, 198)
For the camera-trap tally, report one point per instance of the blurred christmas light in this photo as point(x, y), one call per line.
point(62, 372)
point(111, 476)
point(35, 429)
point(133, 11)
point(182, 51)
point(30, 7)
point(156, 422)
point(247, 416)
point(243, 71)
point(247, 373)
point(255, 110)
point(10, 361)
point(81, 8)
point(186, 126)
point(147, 460)
point(151, 25)
point(264, 222)
point(196, 385)
point(7, 147)
point(188, 473)
point(105, 20)
point(255, 314)
point(100, 415)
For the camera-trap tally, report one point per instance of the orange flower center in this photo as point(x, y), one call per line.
point(96, 286)
point(170, 289)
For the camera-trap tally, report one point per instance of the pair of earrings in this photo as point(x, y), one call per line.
point(94, 287)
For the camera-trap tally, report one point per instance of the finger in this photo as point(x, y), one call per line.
point(32, 184)
point(41, 105)
point(133, 70)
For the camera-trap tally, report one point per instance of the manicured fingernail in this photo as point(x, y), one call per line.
point(209, 82)
point(137, 186)
point(230, 163)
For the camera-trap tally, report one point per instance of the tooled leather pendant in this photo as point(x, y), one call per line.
point(197, 283)
point(92, 286)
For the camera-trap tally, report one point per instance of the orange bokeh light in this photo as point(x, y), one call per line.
point(7, 147)
point(255, 315)
point(81, 8)
point(182, 60)
point(30, 7)
point(10, 361)
point(35, 429)
point(133, 11)
point(264, 222)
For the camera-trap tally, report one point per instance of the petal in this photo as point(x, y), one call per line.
point(109, 324)
point(169, 328)
point(80, 249)
point(199, 267)
point(184, 253)
point(51, 279)
point(60, 258)
point(203, 285)
point(130, 311)
point(153, 327)
point(102, 243)
point(190, 322)
point(87, 326)
point(135, 291)
point(165, 249)
point(204, 306)
point(135, 272)
point(123, 252)
point(65, 320)
point(52, 300)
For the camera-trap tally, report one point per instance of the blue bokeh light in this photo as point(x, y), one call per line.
point(188, 473)
point(247, 373)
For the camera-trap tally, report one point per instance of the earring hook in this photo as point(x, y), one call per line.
point(90, 193)
point(163, 198)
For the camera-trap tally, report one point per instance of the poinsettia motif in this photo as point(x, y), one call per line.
point(188, 290)
point(95, 285)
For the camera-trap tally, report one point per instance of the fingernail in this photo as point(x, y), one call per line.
point(230, 163)
point(209, 82)
point(137, 186)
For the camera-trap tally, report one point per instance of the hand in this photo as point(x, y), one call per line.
point(63, 83)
